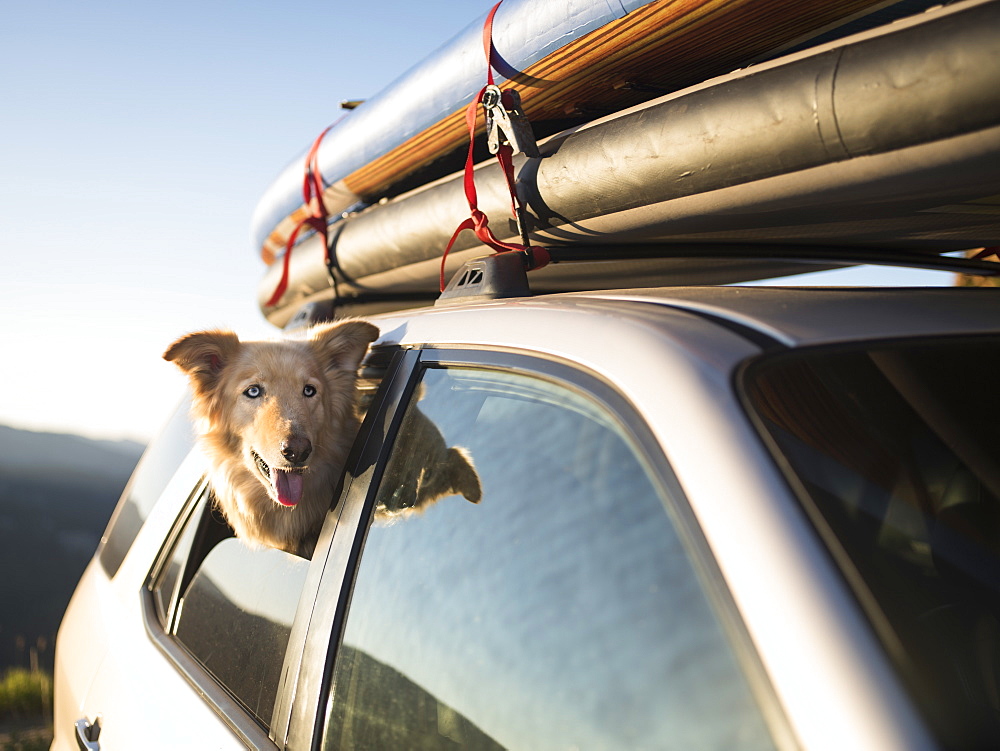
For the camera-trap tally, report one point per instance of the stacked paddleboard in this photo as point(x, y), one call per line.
point(656, 154)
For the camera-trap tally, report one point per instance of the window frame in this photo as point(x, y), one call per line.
point(344, 544)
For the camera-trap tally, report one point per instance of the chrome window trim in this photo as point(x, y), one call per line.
point(166, 551)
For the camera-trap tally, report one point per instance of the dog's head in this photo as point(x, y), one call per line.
point(278, 405)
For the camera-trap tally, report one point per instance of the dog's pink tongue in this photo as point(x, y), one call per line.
point(288, 486)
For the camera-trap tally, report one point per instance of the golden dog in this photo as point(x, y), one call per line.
point(277, 420)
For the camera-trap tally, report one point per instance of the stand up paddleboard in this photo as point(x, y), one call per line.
point(884, 139)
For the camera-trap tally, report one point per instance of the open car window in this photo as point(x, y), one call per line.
point(230, 607)
point(236, 616)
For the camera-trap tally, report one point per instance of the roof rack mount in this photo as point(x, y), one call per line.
point(488, 278)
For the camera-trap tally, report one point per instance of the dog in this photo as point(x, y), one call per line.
point(277, 420)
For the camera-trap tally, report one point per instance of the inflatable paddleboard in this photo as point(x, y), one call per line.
point(570, 62)
point(885, 139)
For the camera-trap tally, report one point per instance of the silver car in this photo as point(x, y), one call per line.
point(712, 518)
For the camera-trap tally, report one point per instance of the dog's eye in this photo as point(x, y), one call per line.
point(309, 390)
point(252, 392)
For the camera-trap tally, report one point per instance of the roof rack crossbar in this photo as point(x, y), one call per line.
point(848, 256)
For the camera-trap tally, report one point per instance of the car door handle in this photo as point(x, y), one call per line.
point(87, 734)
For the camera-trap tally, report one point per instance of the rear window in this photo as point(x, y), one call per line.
point(895, 452)
point(155, 469)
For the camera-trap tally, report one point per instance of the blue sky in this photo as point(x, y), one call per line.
point(135, 141)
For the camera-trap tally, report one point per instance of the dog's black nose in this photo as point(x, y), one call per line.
point(296, 449)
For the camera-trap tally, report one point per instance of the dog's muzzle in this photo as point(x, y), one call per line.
point(286, 484)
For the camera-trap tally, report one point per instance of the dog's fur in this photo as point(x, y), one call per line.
point(428, 471)
point(277, 420)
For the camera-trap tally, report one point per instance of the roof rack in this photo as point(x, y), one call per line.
point(826, 254)
point(488, 278)
point(504, 275)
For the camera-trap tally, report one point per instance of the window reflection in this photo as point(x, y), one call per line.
point(895, 449)
point(433, 470)
point(236, 617)
point(559, 612)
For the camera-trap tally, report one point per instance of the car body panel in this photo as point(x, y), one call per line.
point(672, 357)
point(794, 603)
point(819, 315)
point(103, 638)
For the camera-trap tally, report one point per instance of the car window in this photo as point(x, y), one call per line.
point(558, 610)
point(166, 592)
point(158, 464)
point(895, 453)
point(231, 607)
point(236, 615)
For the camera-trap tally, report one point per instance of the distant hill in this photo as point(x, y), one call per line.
point(27, 449)
point(57, 493)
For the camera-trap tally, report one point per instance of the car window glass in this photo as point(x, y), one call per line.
point(158, 464)
point(558, 611)
point(896, 453)
point(236, 615)
point(165, 588)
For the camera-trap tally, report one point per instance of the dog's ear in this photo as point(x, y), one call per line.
point(203, 356)
point(340, 346)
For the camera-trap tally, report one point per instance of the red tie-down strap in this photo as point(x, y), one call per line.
point(312, 199)
point(478, 222)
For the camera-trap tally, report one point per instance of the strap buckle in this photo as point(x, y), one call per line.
point(506, 123)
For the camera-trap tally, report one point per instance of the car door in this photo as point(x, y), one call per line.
point(570, 604)
point(115, 685)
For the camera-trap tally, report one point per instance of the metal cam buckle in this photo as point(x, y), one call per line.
point(506, 123)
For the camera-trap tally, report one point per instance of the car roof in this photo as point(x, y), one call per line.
point(767, 316)
point(798, 316)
